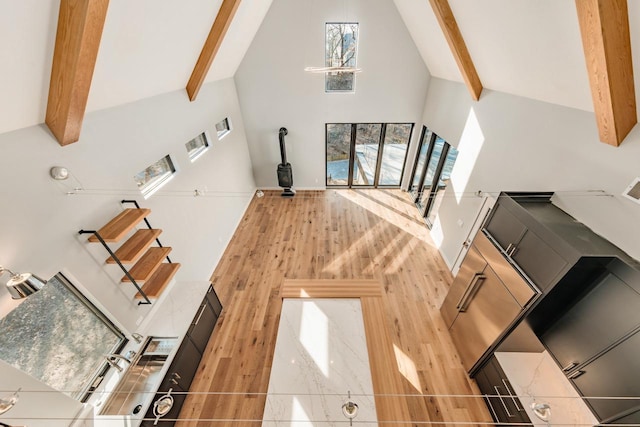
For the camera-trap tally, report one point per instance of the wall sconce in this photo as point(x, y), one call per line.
point(22, 285)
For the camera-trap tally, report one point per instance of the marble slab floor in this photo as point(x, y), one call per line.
point(320, 355)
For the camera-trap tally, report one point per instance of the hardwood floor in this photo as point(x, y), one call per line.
point(343, 234)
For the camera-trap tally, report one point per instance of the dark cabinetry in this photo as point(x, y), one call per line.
point(185, 364)
point(616, 373)
point(502, 401)
point(589, 315)
point(608, 312)
point(511, 228)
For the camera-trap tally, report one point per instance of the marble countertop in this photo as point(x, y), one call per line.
point(536, 379)
point(171, 317)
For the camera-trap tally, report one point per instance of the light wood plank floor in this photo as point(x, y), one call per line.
point(342, 234)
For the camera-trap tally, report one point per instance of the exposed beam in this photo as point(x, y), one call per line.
point(457, 45)
point(80, 24)
point(211, 46)
point(604, 25)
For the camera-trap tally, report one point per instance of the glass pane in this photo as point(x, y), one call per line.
point(197, 146)
point(341, 41)
point(338, 147)
point(431, 170)
point(394, 153)
point(366, 155)
point(442, 184)
point(222, 128)
point(57, 337)
point(422, 158)
point(153, 176)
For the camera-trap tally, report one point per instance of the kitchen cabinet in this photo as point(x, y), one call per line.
point(470, 270)
point(178, 380)
point(503, 404)
point(615, 373)
point(214, 301)
point(202, 326)
point(609, 311)
point(185, 363)
point(480, 306)
point(530, 252)
point(633, 419)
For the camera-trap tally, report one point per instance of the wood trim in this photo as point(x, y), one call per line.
point(388, 388)
point(330, 289)
point(80, 24)
point(211, 46)
point(604, 26)
point(458, 47)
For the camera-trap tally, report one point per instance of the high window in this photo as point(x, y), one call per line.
point(341, 42)
point(155, 176)
point(223, 128)
point(366, 154)
point(197, 146)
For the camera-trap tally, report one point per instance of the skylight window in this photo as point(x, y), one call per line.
point(155, 176)
point(341, 43)
point(197, 146)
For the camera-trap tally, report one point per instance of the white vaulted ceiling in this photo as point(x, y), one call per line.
point(148, 47)
point(530, 48)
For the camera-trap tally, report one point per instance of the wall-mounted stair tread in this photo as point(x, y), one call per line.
point(135, 246)
point(147, 265)
point(119, 226)
point(159, 280)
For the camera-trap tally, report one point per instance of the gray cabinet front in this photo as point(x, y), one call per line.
point(616, 373)
point(505, 228)
point(602, 317)
point(202, 326)
point(538, 260)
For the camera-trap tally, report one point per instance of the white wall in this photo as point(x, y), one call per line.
point(512, 143)
point(38, 230)
point(274, 90)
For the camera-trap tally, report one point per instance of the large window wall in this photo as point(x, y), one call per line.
point(366, 154)
point(431, 173)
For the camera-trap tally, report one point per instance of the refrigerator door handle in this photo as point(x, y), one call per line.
point(470, 292)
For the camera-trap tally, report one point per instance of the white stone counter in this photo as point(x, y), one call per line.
point(536, 377)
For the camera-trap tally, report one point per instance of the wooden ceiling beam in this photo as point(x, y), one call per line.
point(211, 46)
point(80, 24)
point(604, 26)
point(457, 45)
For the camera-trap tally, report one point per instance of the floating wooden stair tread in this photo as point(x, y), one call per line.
point(135, 246)
point(119, 226)
point(147, 265)
point(159, 280)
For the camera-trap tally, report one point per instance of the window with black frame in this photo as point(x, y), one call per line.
point(431, 173)
point(60, 338)
point(366, 154)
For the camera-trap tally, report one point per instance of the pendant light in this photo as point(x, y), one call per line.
point(22, 285)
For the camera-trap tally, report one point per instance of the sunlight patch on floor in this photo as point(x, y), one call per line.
point(410, 223)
